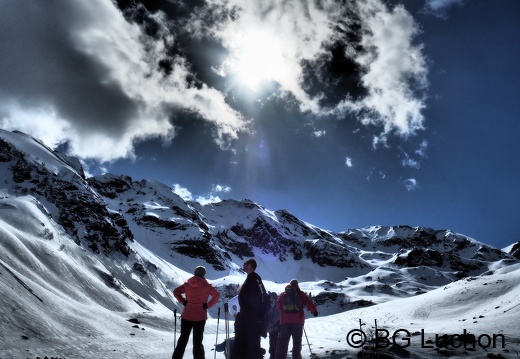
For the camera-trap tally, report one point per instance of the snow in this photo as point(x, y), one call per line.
point(56, 301)
point(61, 300)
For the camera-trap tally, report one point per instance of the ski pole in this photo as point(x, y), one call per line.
point(216, 339)
point(228, 347)
point(307, 340)
point(175, 328)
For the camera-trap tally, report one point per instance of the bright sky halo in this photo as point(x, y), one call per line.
point(257, 56)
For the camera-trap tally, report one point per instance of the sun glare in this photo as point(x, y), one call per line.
point(258, 57)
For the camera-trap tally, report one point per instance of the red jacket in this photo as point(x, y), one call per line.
point(298, 317)
point(196, 291)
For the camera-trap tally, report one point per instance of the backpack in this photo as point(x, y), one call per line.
point(290, 303)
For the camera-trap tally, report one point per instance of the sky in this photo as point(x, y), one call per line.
point(346, 113)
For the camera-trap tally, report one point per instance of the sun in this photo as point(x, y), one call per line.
point(258, 57)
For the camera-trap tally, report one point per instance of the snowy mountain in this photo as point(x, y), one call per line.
point(82, 256)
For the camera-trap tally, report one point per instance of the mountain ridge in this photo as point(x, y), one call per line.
point(109, 213)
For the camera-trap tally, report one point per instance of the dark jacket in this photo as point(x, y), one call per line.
point(250, 297)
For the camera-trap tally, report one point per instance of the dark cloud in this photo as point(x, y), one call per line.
point(93, 77)
point(116, 75)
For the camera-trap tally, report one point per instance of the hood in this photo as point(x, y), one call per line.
point(196, 281)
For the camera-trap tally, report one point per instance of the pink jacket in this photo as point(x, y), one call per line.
point(298, 317)
point(196, 291)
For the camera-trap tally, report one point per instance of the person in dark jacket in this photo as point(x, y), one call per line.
point(291, 323)
point(248, 322)
point(273, 325)
point(196, 292)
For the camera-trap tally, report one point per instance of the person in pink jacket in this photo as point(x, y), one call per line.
point(292, 319)
point(196, 292)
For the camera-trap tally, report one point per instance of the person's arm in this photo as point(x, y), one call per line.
point(215, 295)
point(177, 293)
point(309, 304)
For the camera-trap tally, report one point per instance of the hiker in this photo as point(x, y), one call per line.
point(291, 303)
point(196, 293)
point(248, 322)
point(273, 325)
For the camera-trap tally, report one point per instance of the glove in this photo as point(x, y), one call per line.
point(315, 313)
point(185, 302)
point(205, 306)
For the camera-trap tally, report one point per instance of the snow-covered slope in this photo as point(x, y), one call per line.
point(81, 257)
point(61, 300)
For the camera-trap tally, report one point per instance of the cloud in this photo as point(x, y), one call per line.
point(182, 192)
point(380, 174)
point(411, 184)
point(348, 161)
point(439, 7)
point(211, 197)
point(319, 134)
point(218, 188)
point(276, 37)
point(101, 83)
point(420, 152)
point(93, 78)
point(392, 68)
point(410, 162)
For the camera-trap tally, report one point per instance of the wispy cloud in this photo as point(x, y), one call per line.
point(410, 162)
point(411, 184)
point(440, 7)
point(211, 197)
point(419, 154)
point(319, 133)
point(421, 151)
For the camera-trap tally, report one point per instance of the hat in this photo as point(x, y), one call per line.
point(294, 282)
point(200, 271)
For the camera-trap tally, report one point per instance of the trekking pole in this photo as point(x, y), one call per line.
point(307, 340)
point(216, 339)
point(175, 328)
point(226, 311)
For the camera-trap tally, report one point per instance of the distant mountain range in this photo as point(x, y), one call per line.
point(119, 217)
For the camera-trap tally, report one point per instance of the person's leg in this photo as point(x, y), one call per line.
point(273, 341)
point(238, 345)
point(186, 326)
point(252, 343)
point(283, 342)
point(297, 332)
point(198, 334)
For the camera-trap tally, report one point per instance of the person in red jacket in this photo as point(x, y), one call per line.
point(290, 303)
point(196, 293)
